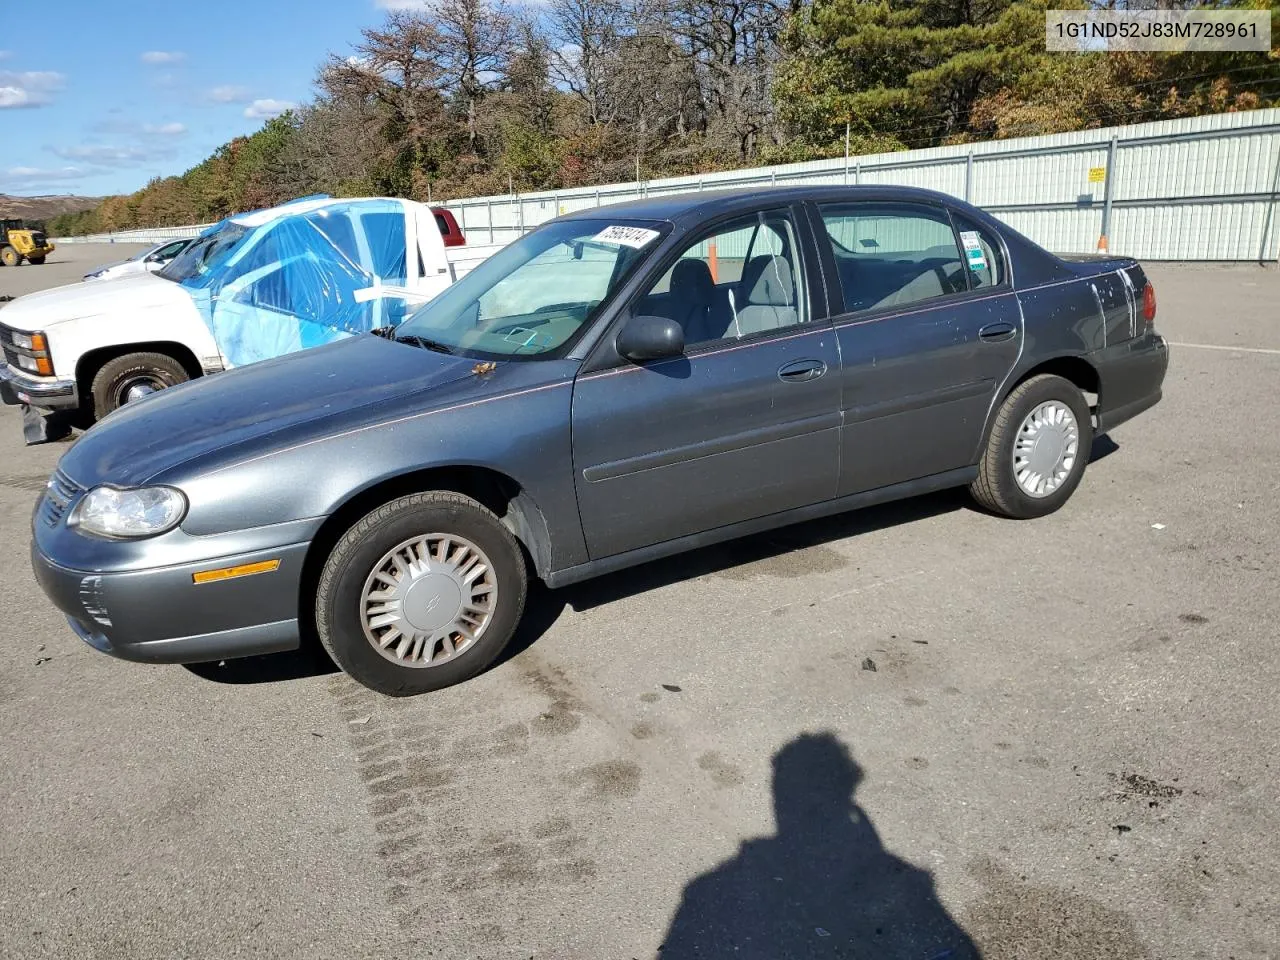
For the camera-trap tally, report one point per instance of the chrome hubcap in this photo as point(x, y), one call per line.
point(1046, 448)
point(137, 389)
point(428, 600)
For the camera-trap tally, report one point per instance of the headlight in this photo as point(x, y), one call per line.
point(129, 513)
point(23, 340)
point(28, 363)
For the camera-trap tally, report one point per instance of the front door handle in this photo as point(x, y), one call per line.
point(800, 371)
point(996, 332)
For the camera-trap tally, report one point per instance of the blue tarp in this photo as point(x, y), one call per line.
point(273, 282)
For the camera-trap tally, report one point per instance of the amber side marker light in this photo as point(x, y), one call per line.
point(228, 573)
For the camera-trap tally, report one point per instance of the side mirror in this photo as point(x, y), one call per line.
point(650, 338)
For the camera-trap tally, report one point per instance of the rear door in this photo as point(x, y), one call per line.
point(928, 328)
point(744, 424)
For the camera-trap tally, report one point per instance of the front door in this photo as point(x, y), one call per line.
point(928, 331)
point(745, 424)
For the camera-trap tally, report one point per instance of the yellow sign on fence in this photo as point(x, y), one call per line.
point(1097, 174)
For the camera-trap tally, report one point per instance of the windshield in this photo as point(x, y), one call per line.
point(532, 297)
point(205, 253)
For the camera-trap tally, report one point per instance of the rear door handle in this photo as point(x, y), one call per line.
point(995, 332)
point(799, 371)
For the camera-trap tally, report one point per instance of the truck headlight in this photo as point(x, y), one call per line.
point(129, 513)
point(29, 341)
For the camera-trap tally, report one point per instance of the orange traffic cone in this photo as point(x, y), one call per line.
point(1102, 244)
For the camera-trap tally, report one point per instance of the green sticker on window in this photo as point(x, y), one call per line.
point(973, 250)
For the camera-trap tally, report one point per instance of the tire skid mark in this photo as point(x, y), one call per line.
point(441, 871)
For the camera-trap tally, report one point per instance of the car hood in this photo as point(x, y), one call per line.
point(245, 411)
point(110, 296)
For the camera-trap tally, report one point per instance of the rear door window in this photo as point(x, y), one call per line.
point(893, 254)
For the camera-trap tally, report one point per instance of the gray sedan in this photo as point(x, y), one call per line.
point(621, 384)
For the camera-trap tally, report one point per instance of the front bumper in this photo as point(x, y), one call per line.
point(16, 387)
point(160, 615)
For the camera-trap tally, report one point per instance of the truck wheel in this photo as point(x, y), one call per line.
point(1037, 450)
point(36, 260)
point(422, 593)
point(132, 377)
point(9, 256)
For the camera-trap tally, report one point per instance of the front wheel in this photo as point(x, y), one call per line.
point(1037, 450)
point(36, 260)
point(424, 592)
point(132, 377)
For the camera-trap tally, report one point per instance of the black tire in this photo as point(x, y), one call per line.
point(36, 260)
point(9, 256)
point(996, 487)
point(112, 381)
point(352, 561)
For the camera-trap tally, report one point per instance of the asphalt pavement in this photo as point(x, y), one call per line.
point(913, 729)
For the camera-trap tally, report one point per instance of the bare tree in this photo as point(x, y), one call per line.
point(474, 38)
point(585, 36)
point(734, 46)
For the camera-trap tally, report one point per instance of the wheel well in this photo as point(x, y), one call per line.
point(1076, 369)
point(93, 361)
point(493, 490)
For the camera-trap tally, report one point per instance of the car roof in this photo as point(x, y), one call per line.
point(256, 218)
point(674, 207)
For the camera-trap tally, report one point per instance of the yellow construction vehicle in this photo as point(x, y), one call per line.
point(18, 243)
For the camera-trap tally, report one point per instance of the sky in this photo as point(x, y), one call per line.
point(99, 96)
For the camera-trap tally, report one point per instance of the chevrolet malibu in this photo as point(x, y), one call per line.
point(622, 384)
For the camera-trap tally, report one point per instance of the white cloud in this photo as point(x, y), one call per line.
point(103, 156)
point(25, 178)
point(266, 109)
point(33, 88)
point(165, 129)
point(402, 4)
point(163, 56)
point(229, 94)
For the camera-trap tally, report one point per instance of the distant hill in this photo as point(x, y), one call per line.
point(42, 208)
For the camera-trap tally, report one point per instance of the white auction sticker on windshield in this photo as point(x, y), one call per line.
point(636, 237)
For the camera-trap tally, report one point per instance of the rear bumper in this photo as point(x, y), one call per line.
point(160, 615)
point(1131, 376)
point(16, 387)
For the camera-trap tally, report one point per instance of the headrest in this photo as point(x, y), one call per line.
point(768, 280)
point(692, 278)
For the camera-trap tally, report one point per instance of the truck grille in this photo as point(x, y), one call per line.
point(60, 493)
point(7, 348)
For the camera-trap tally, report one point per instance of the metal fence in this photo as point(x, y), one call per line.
point(1203, 188)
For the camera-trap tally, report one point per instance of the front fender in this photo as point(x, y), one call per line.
point(514, 422)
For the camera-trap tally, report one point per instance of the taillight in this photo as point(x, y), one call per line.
point(1149, 304)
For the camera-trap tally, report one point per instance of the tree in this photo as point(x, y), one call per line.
point(469, 55)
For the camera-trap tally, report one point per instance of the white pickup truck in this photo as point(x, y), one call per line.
point(252, 287)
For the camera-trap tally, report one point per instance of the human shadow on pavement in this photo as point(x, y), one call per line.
point(822, 887)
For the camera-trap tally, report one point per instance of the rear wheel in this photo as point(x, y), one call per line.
point(132, 377)
point(1037, 450)
point(424, 592)
point(9, 256)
